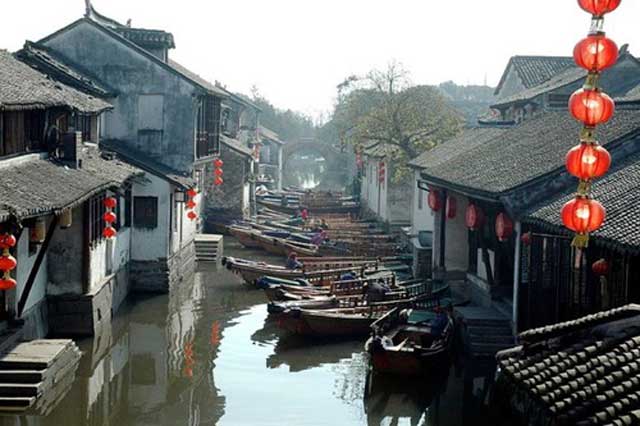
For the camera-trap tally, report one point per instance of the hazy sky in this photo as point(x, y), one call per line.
point(296, 52)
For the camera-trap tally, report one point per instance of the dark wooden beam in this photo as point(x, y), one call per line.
point(443, 229)
point(36, 265)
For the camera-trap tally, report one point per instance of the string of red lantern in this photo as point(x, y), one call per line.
point(434, 200)
point(109, 217)
point(382, 172)
point(217, 172)
point(191, 204)
point(592, 107)
point(7, 262)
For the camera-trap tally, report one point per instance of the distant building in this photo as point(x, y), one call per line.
point(165, 120)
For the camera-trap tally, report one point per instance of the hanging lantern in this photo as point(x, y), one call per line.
point(191, 204)
point(66, 218)
point(591, 106)
point(526, 238)
point(599, 7)
point(583, 215)
point(38, 231)
point(218, 172)
point(218, 181)
point(7, 241)
point(600, 267)
point(588, 161)
point(110, 217)
point(474, 217)
point(7, 283)
point(595, 53)
point(109, 232)
point(433, 199)
point(452, 207)
point(504, 227)
point(192, 193)
point(8, 262)
point(218, 163)
point(192, 215)
point(382, 172)
point(110, 202)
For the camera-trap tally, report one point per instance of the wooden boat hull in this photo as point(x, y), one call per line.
point(317, 323)
point(409, 363)
point(245, 237)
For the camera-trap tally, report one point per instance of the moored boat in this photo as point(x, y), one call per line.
point(407, 342)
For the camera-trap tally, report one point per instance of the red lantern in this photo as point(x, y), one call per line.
point(109, 232)
point(591, 106)
point(192, 215)
point(218, 163)
point(191, 204)
point(526, 239)
point(474, 217)
point(110, 217)
point(218, 172)
point(600, 267)
point(433, 199)
point(7, 241)
point(595, 53)
point(110, 202)
point(7, 283)
point(588, 161)
point(218, 181)
point(452, 207)
point(191, 193)
point(8, 263)
point(599, 7)
point(583, 215)
point(504, 227)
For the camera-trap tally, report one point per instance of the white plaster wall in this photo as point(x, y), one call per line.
point(246, 197)
point(512, 84)
point(25, 264)
point(152, 244)
point(115, 251)
point(482, 270)
point(457, 238)
point(422, 219)
point(186, 229)
point(383, 211)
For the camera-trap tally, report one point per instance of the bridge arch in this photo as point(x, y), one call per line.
point(332, 156)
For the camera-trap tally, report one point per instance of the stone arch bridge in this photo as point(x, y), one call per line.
point(335, 161)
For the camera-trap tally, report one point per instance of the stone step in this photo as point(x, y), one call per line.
point(20, 389)
point(16, 403)
point(22, 376)
point(200, 258)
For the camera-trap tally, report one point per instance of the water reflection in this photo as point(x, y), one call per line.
point(208, 355)
point(305, 170)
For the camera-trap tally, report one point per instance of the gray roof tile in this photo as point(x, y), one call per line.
point(22, 87)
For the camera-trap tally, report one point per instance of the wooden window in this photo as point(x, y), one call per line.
point(208, 127)
point(13, 134)
point(83, 125)
point(94, 216)
point(145, 212)
point(127, 208)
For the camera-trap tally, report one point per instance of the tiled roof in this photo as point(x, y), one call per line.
point(632, 95)
point(43, 60)
point(617, 81)
point(583, 372)
point(143, 36)
point(447, 150)
point(236, 146)
point(197, 79)
point(142, 160)
point(36, 186)
point(534, 70)
point(522, 153)
point(618, 192)
point(379, 149)
point(270, 134)
point(564, 78)
point(22, 88)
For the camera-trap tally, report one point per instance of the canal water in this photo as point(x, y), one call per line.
point(208, 355)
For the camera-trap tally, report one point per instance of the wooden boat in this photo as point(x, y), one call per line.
point(346, 299)
point(317, 273)
point(347, 322)
point(284, 247)
point(245, 235)
point(403, 343)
